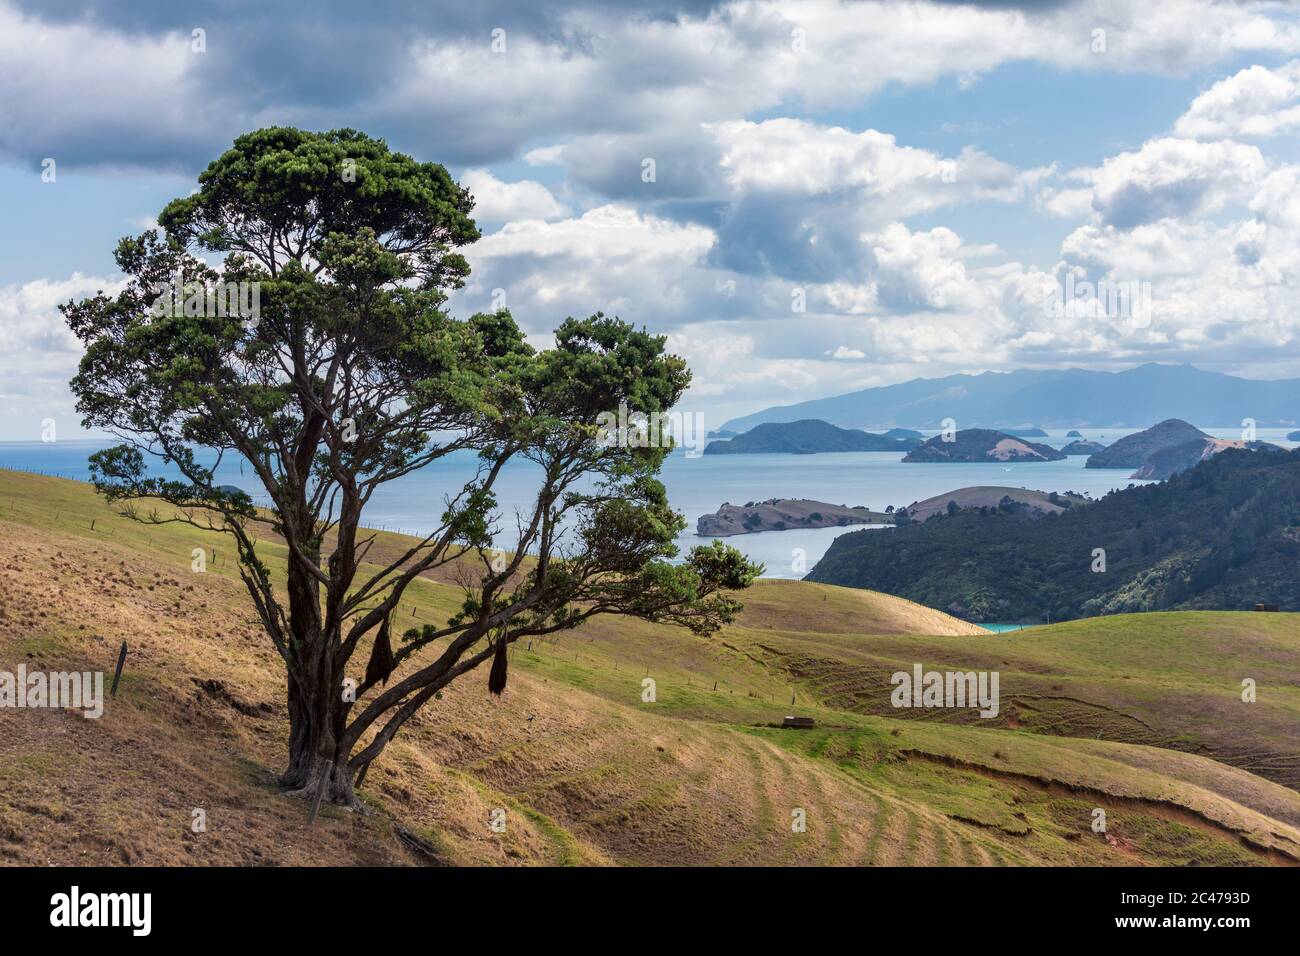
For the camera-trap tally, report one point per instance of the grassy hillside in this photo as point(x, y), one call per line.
point(586, 772)
point(1168, 679)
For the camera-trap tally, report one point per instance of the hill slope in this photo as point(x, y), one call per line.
point(1132, 451)
point(1167, 462)
point(990, 496)
point(1166, 679)
point(1223, 535)
point(586, 772)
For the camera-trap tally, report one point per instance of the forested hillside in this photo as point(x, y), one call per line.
point(1222, 535)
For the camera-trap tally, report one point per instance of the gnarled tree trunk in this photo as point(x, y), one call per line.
point(316, 723)
point(317, 709)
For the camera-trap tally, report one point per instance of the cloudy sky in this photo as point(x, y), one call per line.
point(807, 197)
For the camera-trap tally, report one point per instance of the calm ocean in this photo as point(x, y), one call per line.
point(697, 486)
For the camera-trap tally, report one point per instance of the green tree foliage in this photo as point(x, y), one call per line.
point(350, 375)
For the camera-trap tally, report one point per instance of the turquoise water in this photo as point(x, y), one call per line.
point(697, 486)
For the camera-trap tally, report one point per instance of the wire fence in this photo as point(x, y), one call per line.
point(67, 475)
point(392, 530)
point(263, 502)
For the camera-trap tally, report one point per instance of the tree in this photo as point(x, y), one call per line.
point(337, 371)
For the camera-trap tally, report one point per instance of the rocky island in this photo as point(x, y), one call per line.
point(1082, 447)
point(981, 444)
point(784, 514)
point(807, 437)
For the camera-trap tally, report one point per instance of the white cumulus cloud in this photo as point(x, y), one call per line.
point(1257, 102)
point(497, 201)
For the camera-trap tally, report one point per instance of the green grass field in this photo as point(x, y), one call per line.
point(1138, 716)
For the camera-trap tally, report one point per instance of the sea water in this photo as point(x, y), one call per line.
point(696, 486)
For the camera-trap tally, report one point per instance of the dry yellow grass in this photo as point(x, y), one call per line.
point(827, 609)
point(585, 772)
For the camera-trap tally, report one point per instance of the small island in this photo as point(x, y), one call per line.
point(1082, 447)
point(808, 437)
point(784, 514)
point(981, 444)
point(1074, 433)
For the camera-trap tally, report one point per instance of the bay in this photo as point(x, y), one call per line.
point(696, 486)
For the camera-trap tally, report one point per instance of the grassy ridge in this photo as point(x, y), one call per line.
point(586, 772)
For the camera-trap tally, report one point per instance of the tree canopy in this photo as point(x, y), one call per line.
point(333, 368)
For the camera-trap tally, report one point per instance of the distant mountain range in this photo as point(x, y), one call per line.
point(1134, 398)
